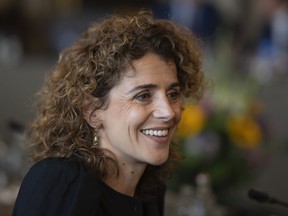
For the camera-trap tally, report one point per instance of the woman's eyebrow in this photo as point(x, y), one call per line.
point(152, 86)
point(145, 86)
point(174, 85)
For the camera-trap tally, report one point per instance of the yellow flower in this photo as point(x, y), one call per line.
point(192, 121)
point(244, 131)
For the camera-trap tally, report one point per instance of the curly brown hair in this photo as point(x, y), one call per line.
point(92, 66)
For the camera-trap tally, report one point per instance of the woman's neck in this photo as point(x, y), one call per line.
point(127, 181)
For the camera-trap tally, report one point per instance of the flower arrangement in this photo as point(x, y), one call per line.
point(220, 142)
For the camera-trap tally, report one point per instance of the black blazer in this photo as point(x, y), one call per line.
point(64, 187)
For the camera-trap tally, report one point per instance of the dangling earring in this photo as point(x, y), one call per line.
point(95, 139)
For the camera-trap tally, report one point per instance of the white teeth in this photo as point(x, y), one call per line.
point(155, 132)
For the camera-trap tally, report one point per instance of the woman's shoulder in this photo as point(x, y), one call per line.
point(58, 186)
point(61, 166)
point(61, 170)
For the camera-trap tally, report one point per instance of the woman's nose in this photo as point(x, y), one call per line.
point(164, 109)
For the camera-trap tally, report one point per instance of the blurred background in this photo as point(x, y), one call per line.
point(234, 139)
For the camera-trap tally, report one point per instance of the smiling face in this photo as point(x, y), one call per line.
point(143, 112)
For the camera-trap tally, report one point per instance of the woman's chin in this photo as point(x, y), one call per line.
point(157, 161)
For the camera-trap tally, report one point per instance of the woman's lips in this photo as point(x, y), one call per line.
point(159, 136)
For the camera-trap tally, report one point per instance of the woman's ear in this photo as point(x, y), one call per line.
point(90, 112)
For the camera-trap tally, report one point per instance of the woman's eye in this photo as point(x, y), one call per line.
point(173, 96)
point(143, 97)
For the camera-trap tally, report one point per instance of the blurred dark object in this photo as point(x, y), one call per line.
point(264, 197)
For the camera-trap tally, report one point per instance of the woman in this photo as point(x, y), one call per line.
point(102, 138)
